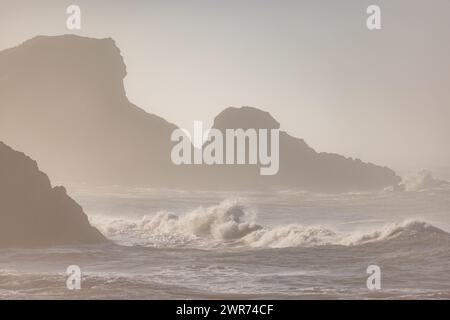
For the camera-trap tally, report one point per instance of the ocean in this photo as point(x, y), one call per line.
point(284, 244)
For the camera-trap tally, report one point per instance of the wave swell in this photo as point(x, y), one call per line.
point(232, 223)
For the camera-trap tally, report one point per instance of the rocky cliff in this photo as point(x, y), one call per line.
point(63, 102)
point(32, 213)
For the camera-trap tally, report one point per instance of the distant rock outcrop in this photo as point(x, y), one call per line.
point(32, 213)
point(63, 102)
point(300, 166)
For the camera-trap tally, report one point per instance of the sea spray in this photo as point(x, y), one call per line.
point(233, 224)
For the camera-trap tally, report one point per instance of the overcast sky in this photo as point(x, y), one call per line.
point(382, 96)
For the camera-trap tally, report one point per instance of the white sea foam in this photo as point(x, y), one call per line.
point(233, 223)
point(422, 180)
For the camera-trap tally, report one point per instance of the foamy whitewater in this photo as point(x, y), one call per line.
point(282, 245)
point(232, 224)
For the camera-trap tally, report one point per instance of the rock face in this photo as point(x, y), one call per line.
point(300, 166)
point(63, 102)
point(32, 213)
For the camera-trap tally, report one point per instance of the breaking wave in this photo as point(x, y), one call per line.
point(422, 180)
point(232, 223)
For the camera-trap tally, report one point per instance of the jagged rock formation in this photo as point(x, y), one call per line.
point(300, 165)
point(32, 213)
point(63, 102)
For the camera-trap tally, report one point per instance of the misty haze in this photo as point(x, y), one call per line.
point(323, 152)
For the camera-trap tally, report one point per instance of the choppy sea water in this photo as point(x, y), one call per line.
point(280, 245)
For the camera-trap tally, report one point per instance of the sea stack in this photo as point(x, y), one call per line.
point(35, 214)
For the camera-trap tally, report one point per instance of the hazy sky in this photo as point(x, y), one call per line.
point(382, 96)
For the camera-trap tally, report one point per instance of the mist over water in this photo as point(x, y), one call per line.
point(349, 107)
point(284, 244)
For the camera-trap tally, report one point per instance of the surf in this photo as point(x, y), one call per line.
point(232, 223)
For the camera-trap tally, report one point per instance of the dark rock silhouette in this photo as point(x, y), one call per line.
point(32, 213)
point(301, 167)
point(63, 102)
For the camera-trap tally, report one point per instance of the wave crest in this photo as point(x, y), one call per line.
point(405, 229)
point(233, 224)
point(422, 180)
point(226, 222)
